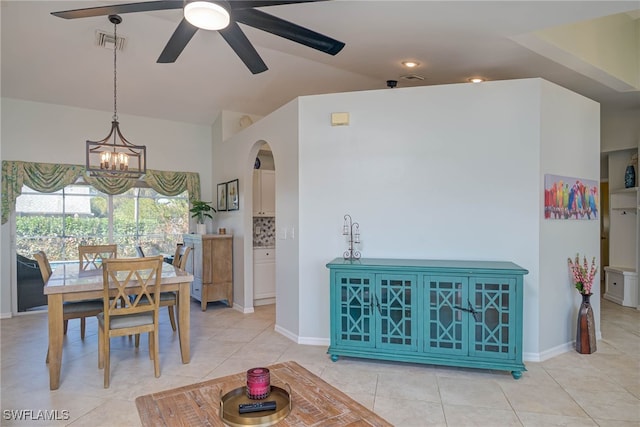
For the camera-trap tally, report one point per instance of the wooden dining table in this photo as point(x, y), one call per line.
point(69, 283)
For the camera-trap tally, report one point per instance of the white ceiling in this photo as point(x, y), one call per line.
point(53, 60)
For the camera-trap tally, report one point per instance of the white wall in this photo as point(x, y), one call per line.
point(453, 171)
point(620, 130)
point(441, 172)
point(234, 158)
point(51, 133)
point(570, 146)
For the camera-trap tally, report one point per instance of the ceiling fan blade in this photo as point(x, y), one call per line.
point(288, 30)
point(178, 41)
point(246, 4)
point(119, 8)
point(243, 48)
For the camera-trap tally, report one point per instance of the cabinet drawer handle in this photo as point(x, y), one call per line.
point(471, 310)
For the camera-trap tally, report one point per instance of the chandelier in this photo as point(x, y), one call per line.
point(115, 156)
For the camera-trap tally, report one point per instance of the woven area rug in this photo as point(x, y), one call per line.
point(314, 402)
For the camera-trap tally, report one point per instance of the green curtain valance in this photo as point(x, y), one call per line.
point(174, 183)
point(49, 177)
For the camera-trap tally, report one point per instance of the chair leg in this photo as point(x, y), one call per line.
point(47, 359)
point(151, 346)
point(172, 317)
point(137, 340)
point(100, 347)
point(107, 358)
point(66, 324)
point(83, 326)
point(156, 355)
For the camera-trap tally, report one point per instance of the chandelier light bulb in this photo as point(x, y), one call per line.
point(206, 15)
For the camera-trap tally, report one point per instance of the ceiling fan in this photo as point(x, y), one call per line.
point(223, 16)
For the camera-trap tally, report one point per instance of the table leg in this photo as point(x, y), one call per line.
point(184, 318)
point(55, 339)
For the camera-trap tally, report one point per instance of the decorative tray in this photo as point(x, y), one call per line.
point(230, 414)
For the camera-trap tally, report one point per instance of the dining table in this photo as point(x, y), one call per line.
point(69, 282)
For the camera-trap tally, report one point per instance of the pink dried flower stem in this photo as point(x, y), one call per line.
point(583, 275)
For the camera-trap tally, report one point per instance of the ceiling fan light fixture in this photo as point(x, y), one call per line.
point(206, 15)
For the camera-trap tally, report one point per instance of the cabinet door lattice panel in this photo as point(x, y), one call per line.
point(356, 306)
point(446, 329)
point(493, 331)
point(396, 312)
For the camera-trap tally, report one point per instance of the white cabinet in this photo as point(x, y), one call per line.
point(264, 276)
point(264, 193)
point(621, 286)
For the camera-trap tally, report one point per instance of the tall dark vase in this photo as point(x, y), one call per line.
point(630, 177)
point(586, 330)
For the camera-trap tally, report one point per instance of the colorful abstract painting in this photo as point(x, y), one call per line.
point(570, 198)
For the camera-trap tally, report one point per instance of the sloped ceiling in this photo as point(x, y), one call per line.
point(571, 43)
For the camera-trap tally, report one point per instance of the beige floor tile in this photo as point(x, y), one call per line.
point(416, 386)
point(472, 416)
point(351, 378)
point(542, 399)
point(615, 423)
point(609, 405)
point(472, 392)
point(533, 419)
point(568, 390)
point(111, 413)
point(410, 413)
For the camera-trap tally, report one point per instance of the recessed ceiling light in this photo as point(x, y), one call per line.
point(410, 64)
point(476, 80)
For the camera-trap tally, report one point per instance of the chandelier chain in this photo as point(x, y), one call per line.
point(115, 75)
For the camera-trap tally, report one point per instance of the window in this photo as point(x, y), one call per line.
point(79, 214)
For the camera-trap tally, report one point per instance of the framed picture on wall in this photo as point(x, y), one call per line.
point(222, 197)
point(570, 198)
point(233, 196)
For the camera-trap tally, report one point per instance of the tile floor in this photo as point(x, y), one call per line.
point(601, 389)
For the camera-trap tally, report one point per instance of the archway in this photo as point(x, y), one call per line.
point(264, 226)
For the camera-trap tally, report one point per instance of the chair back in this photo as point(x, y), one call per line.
point(176, 256)
point(120, 274)
point(140, 251)
point(183, 258)
point(43, 263)
point(91, 256)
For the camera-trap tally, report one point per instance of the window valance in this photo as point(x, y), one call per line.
point(50, 177)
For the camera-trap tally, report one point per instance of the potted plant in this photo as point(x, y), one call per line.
point(201, 210)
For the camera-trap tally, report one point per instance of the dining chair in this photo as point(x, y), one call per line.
point(170, 299)
point(134, 317)
point(91, 256)
point(71, 309)
point(178, 254)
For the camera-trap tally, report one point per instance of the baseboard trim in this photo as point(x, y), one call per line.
point(241, 309)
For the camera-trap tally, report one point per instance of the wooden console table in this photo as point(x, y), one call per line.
point(313, 401)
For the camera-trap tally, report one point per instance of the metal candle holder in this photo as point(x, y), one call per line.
point(351, 229)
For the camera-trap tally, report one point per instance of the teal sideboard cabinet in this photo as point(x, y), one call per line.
point(456, 313)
